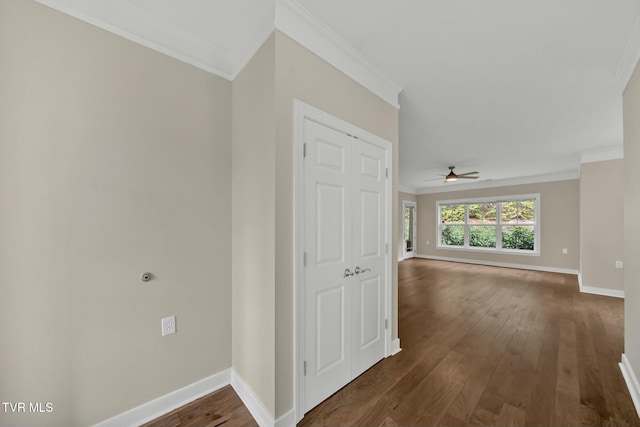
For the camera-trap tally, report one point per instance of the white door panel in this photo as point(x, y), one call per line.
point(328, 241)
point(370, 308)
point(344, 223)
point(330, 211)
point(369, 187)
point(330, 348)
point(370, 233)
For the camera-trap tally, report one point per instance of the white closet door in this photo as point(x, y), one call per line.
point(328, 246)
point(368, 258)
point(344, 218)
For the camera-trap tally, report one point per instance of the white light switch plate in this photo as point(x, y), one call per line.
point(168, 325)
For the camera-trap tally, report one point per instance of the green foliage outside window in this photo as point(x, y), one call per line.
point(452, 213)
point(482, 236)
point(453, 235)
point(483, 212)
point(518, 237)
point(518, 219)
point(408, 219)
point(518, 211)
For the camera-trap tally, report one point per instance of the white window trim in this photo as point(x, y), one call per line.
point(498, 249)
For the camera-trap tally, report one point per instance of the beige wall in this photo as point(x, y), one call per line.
point(399, 243)
point(601, 224)
point(107, 171)
point(117, 160)
point(114, 160)
point(559, 222)
point(302, 75)
point(263, 269)
point(253, 243)
point(631, 224)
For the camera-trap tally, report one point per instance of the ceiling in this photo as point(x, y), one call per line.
point(519, 91)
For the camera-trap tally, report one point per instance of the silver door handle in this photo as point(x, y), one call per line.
point(347, 273)
point(358, 270)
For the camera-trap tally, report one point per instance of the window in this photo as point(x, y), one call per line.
point(409, 221)
point(502, 224)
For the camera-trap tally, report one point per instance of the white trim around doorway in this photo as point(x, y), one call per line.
point(301, 112)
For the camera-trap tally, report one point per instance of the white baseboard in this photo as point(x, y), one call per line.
point(287, 420)
point(167, 403)
point(602, 291)
point(400, 259)
point(395, 347)
point(632, 382)
point(254, 405)
point(599, 291)
point(501, 264)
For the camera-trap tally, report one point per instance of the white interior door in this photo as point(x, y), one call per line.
point(369, 202)
point(328, 251)
point(345, 201)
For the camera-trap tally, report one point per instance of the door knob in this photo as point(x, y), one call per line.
point(358, 270)
point(347, 273)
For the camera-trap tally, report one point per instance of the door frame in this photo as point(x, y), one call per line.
point(302, 111)
point(410, 204)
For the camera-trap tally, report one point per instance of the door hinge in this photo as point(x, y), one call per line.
point(386, 173)
point(304, 150)
point(304, 259)
point(304, 368)
point(386, 248)
point(386, 323)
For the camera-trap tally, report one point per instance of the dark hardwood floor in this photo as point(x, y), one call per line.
point(492, 346)
point(481, 346)
point(220, 408)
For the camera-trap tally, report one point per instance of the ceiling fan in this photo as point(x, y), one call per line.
point(452, 176)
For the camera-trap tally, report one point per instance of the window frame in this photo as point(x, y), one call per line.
point(498, 224)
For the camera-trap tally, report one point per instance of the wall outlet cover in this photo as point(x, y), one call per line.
point(168, 325)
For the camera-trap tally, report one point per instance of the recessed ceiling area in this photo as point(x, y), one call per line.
point(520, 92)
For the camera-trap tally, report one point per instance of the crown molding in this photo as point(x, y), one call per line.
point(630, 57)
point(300, 25)
point(122, 18)
point(534, 179)
point(597, 155)
point(602, 154)
point(407, 189)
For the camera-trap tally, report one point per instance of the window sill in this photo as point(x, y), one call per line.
point(488, 250)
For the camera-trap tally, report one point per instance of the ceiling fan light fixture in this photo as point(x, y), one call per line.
point(452, 176)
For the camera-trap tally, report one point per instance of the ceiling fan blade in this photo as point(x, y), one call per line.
point(452, 176)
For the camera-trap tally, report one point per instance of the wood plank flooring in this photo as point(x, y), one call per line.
point(488, 346)
point(220, 408)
